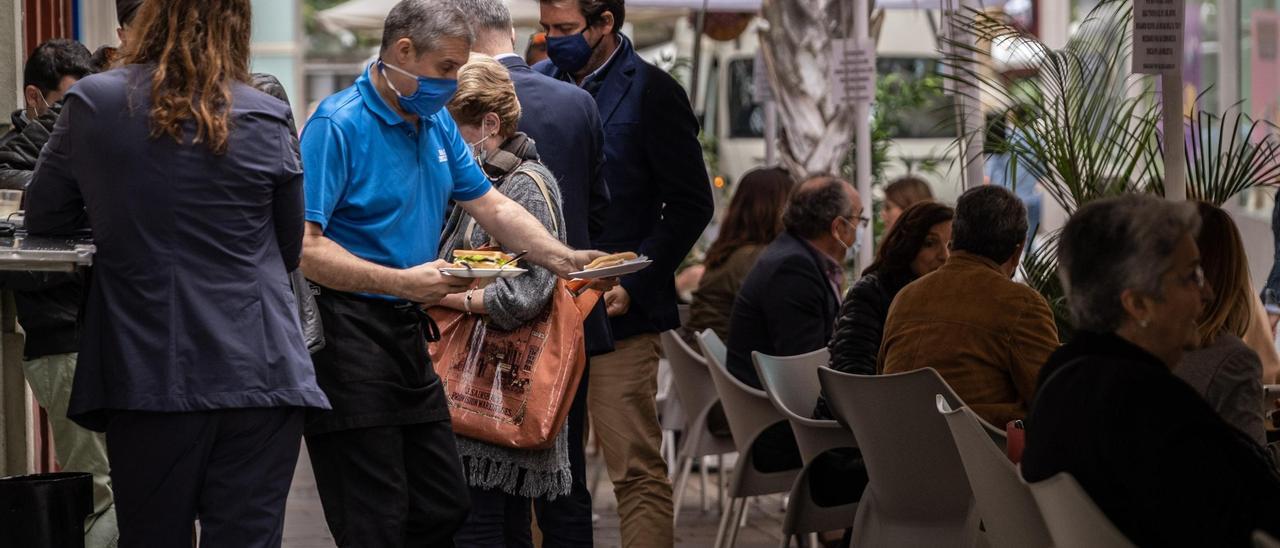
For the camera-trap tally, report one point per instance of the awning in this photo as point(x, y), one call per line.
point(370, 14)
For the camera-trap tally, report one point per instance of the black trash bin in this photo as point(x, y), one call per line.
point(45, 509)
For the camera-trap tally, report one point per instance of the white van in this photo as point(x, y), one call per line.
point(734, 120)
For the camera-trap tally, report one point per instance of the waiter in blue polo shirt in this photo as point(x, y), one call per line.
point(382, 159)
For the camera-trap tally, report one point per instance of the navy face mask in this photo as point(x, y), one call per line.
point(570, 53)
point(431, 96)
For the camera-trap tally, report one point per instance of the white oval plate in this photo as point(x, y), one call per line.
point(629, 267)
point(478, 273)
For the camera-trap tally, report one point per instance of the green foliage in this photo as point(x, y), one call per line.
point(895, 93)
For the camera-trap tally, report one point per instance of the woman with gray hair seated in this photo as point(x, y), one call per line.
point(1157, 459)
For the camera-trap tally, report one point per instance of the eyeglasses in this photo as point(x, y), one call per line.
point(860, 222)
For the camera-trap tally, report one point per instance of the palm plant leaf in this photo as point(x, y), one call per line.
point(1227, 155)
point(1083, 126)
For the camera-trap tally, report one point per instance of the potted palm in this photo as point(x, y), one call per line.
point(1086, 128)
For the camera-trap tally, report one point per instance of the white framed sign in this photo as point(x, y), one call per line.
point(1157, 35)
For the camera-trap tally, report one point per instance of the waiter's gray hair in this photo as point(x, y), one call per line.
point(425, 23)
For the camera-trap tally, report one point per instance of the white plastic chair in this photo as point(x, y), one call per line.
point(919, 494)
point(671, 416)
point(792, 385)
point(749, 413)
point(1009, 512)
point(693, 387)
point(1074, 521)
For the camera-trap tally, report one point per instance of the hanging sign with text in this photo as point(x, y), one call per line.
point(1157, 35)
point(853, 70)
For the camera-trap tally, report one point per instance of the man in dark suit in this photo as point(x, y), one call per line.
point(563, 122)
point(789, 302)
point(788, 305)
point(661, 202)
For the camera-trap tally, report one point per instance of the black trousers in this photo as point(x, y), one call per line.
point(497, 520)
point(389, 486)
point(230, 468)
point(566, 521)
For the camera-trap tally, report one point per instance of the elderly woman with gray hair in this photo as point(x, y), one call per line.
point(1157, 459)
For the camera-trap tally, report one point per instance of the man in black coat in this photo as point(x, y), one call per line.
point(661, 202)
point(563, 121)
point(788, 303)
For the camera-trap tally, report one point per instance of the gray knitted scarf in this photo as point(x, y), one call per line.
point(538, 473)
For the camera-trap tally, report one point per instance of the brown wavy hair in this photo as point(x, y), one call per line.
point(754, 215)
point(903, 242)
point(199, 48)
point(1226, 270)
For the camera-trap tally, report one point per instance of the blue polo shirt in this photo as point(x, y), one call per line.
point(376, 184)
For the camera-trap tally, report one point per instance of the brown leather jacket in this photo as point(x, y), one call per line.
point(985, 334)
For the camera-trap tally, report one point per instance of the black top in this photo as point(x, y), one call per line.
point(189, 307)
point(860, 327)
point(786, 307)
point(660, 196)
point(564, 121)
point(48, 303)
point(1156, 459)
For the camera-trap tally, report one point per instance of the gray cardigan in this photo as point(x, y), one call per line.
point(1229, 376)
point(511, 302)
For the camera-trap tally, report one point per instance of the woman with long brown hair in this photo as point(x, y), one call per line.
point(753, 219)
point(916, 245)
point(192, 359)
point(1223, 369)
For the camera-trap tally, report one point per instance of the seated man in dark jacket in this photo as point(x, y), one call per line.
point(788, 303)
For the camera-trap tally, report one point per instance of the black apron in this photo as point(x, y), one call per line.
point(374, 366)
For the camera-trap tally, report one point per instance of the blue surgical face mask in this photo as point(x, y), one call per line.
point(570, 53)
point(431, 96)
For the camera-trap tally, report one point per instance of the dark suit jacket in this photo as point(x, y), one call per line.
point(786, 307)
point(563, 121)
point(661, 199)
point(189, 305)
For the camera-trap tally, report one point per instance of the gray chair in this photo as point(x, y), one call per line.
point(749, 413)
point(792, 385)
point(919, 494)
point(1074, 521)
point(693, 387)
point(1009, 512)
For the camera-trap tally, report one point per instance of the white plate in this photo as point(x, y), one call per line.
point(629, 267)
point(509, 272)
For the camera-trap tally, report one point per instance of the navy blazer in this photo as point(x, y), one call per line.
point(562, 120)
point(189, 305)
point(661, 198)
point(786, 307)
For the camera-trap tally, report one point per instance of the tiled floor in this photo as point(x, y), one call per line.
point(305, 527)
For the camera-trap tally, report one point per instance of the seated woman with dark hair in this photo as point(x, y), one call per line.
point(754, 219)
point(1222, 368)
point(1154, 457)
point(916, 245)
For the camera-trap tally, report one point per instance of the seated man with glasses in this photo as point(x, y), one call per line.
point(986, 334)
point(789, 302)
